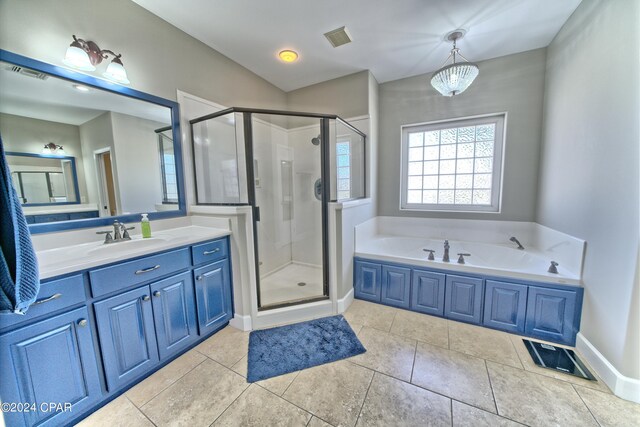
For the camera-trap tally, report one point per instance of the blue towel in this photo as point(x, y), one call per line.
point(19, 279)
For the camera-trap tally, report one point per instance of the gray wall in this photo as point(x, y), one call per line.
point(589, 166)
point(514, 84)
point(159, 58)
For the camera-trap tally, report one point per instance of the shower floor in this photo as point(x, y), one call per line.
point(282, 285)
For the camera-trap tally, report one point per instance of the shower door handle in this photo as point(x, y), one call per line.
point(256, 213)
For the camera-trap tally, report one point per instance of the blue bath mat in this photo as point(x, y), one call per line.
point(285, 349)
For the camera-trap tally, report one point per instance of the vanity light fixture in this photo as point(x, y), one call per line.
point(288, 55)
point(52, 148)
point(456, 77)
point(85, 55)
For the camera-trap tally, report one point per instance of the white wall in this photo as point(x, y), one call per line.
point(96, 134)
point(512, 84)
point(589, 179)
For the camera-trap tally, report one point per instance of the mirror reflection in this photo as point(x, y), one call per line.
point(77, 152)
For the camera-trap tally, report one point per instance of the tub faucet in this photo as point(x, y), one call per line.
point(445, 257)
point(514, 240)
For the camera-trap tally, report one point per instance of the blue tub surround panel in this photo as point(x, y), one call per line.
point(19, 278)
point(94, 333)
point(546, 311)
point(290, 348)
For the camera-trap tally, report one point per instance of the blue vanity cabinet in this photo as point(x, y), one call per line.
point(552, 314)
point(396, 286)
point(505, 306)
point(368, 277)
point(52, 361)
point(174, 313)
point(213, 295)
point(464, 298)
point(127, 336)
point(427, 292)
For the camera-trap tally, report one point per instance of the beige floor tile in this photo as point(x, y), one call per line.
point(386, 353)
point(537, 400)
point(259, 407)
point(470, 416)
point(610, 410)
point(391, 402)
point(317, 422)
point(198, 398)
point(226, 347)
point(118, 413)
point(356, 327)
point(453, 374)
point(334, 392)
point(275, 385)
point(369, 314)
point(421, 327)
point(529, 365)
point(152, 386)
point(483, 343)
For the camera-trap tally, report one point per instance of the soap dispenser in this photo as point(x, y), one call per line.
point(145, 226)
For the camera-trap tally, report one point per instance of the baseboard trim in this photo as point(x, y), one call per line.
point(241, 322)
point(344, 303)
point(622, 386)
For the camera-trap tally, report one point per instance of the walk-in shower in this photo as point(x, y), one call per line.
point(264, 158)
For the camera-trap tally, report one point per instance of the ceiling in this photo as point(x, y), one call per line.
point(56, 100)
point(392, 38)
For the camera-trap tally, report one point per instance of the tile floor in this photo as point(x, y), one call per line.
point(282, 285)
point(418, 371)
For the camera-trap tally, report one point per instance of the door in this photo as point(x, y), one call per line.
point(213, 296)
point(505, 305)
point(368, 277)
point(107, 185)
point(52, 361)
point(127, 336)
point(174, 313)
point(551, 315)
point(396, 286)
point(463, 299)
point(427, 292)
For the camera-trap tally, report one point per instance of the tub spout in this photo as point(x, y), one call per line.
point(514, 240)
point(445, 257)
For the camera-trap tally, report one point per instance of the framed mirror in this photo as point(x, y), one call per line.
point(83, 151)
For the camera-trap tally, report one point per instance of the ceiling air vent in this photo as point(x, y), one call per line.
point(28, 72)
point(338, 37)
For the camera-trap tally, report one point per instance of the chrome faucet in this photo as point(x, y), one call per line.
point(120, 233)
point(445, 256)
point(514, 240)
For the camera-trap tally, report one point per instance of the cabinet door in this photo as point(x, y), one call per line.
point(551, 315)
point(396, 286)
point(427, 292)
point(213, 296)
point(174, 312)
point(368, 276)
point(505, 306)
point(463, 299)
point(52, 361)
point(127, 336)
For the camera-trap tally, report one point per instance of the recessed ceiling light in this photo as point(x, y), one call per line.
point(288, 55)
point(81, 88)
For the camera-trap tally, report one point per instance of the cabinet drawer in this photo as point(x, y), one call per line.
point(126, 274)
point(53, 296)
point(210, 251)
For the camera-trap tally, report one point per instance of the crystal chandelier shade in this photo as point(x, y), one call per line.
point(456, 77)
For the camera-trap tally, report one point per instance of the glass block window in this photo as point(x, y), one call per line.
point(453, 165)
point(343, 162)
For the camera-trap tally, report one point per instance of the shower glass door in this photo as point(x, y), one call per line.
point(288, 194)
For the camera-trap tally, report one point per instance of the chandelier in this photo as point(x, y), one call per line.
point(456, 77)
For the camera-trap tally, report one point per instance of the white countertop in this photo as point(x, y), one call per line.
point(69, 259)
point(52, 209)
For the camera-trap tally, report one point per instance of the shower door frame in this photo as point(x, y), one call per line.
point(325, 176)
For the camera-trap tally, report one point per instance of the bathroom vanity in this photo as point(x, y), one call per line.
point(98, 330)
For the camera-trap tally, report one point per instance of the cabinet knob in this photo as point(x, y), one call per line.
point(199, 277)
point(82, 323)
point(145, 298)
point(156, 294)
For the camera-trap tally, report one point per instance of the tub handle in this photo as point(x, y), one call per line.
point(461, 257)
point(552, 269)
point(431, 251)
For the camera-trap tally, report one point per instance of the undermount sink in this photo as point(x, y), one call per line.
point(134, 244)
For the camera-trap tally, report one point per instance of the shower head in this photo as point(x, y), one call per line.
point(316, 140)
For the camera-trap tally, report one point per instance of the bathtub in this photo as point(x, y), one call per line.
point(402, 240)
